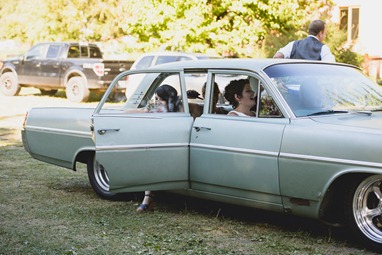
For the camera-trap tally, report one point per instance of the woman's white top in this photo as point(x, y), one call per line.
point(240, 114)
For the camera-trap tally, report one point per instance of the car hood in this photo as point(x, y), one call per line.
point(354, 119)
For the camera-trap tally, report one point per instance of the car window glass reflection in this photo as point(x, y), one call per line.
point(144, 98)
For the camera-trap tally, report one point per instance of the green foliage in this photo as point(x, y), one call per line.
point(246, 28)
point(341, 50)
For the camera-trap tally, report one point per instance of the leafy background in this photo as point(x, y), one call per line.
point(246, 28)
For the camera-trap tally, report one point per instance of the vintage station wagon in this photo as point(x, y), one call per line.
point(312, 150)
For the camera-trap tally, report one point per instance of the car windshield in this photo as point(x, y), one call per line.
point(319, 89)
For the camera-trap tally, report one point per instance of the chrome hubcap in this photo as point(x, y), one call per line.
point(101, 176)
point(367, 208)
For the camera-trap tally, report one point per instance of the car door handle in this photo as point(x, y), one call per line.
point(202, 128)
point(103, 131)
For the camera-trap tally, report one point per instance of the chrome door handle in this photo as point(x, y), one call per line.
point(103, 131)
point(202, 128)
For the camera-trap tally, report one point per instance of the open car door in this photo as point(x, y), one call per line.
point(143, 150)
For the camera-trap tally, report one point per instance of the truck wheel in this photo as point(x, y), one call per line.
point(76, 90)
point(9, 85)
point(50, 92)
point(363, 210)
point(99, 180)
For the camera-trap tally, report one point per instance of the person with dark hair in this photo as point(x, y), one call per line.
point(311, 47)
point(166, 100)
point(169, 95)
point(197, 110)
point(242, 98)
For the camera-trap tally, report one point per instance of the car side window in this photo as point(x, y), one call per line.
point(195, 86)
point(143, 99)
point(166, 59)
point(265, 106)
point(222, 105)
point(145, 62)
point(53, 51)
point(94, 52)
point(268, 108)
point(74, 51)
point(37, 52)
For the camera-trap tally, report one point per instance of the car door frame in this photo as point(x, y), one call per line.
point(210, 152)
point(171, 151)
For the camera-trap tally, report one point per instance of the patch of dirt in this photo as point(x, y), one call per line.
point(13, 109)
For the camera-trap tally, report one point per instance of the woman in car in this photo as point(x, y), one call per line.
point(166, 100)
point(242, 98)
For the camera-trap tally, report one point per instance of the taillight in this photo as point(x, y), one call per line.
point(25, 120)
point(99, 69)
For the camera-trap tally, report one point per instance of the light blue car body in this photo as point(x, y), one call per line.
point(295, 163)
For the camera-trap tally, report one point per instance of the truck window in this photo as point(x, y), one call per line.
point(53, 51)
point(74, 52)
point(94, 52)
point(37, 52)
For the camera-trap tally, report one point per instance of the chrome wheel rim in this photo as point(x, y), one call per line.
point(367, 208)
point(101, 176)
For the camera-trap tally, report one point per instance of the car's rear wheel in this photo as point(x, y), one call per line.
point(363, 210)
point(9, 85)
point(48, 92)
point(76, 90)
point(99, 180)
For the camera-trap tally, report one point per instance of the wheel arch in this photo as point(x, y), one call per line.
point(331, 208)
point(75, 73)
point(83, 157)
point(8, 69)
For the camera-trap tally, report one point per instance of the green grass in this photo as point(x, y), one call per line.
point(46, 209)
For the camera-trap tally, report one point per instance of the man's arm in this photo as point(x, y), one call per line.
point(278, 55)
point(326, 55)
point(285, 51)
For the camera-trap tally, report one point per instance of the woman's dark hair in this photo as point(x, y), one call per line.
point(170, 95)
point(235, 87)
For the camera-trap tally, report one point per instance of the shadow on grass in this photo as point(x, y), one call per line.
point(175, 203)
point(10, 137)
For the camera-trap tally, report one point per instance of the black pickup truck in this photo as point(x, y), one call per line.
point(76, 67)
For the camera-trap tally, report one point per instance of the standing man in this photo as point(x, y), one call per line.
point(311, 47)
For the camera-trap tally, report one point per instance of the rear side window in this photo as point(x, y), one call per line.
point(169, 59)
point(144, 62)
point(53, 51)
point(94, 52)
point(74, 52)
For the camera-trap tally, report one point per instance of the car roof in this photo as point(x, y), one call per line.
point(241, 63)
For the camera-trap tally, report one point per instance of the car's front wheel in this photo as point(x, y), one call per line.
point(99, 180)
point(363, 210)
point(9, 85)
